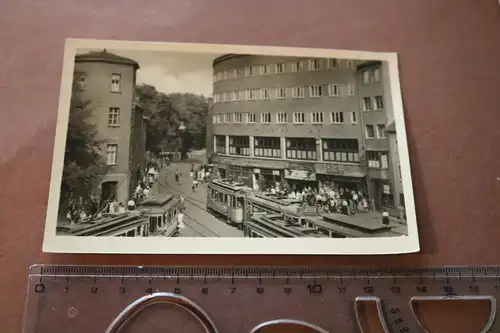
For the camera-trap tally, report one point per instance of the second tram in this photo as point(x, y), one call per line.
point(226, 199)
point(162, 210)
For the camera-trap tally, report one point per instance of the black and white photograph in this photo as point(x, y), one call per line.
point(214, 149)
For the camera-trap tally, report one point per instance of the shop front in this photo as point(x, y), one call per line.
point(341, 176)
point(298, 180)
point(219, 171)
point(338, 182)
point(239, 174)
point(382, 194)
point(265, 178)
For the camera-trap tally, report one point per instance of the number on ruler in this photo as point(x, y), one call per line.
point(422, 289)
point(448, 289)
point(288, 290)
point(474, 288)
point(395, 290)
point(204, 290)
point(315, 288)
point(39, 288)
point(369, 289)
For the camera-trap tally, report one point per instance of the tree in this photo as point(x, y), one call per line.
point(166, 111)
point(84, 164)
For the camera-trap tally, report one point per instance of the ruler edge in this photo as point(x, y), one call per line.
point(263, 271)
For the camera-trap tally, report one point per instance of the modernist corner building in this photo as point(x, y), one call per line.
point(304, 122)
point(108, 81)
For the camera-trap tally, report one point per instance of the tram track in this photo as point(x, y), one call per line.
point(188, 198)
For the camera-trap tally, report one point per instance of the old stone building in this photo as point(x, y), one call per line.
point(108, 82)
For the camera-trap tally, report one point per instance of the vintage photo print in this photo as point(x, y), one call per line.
point(229, 149)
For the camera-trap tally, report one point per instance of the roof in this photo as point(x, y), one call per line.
point(292, 209)
point(277, 224)
point(225, 57)
point(107, 57)
point(368, 64)
point(391, 128)
point(156, 200)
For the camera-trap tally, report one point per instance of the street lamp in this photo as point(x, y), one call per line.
point(182, 130)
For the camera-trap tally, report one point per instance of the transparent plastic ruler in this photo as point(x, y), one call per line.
point(250, 299)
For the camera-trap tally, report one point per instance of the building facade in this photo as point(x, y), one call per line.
point(300, 121)
point(108, 82)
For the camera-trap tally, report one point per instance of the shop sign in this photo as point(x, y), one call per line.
point(256, 170)
point(276, 173)
point(386, 189)
point(336, 169)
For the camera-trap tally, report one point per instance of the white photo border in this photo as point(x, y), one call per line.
point(53, 243)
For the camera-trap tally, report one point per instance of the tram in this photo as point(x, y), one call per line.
point(262, 225)
point(130, 224)
point(336, 225)
point(226, 199)
point(292, 210)
point(161, 211)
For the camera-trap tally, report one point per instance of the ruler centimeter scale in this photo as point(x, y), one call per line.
point(231, 299)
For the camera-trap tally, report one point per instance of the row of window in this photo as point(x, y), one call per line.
point(298, 92)
point(113, 117)
point(114, 80)
point(294, 66)
point(333, 150)
point(336, 117)
point(372, 103)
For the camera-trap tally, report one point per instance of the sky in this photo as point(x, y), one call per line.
point(172, 72)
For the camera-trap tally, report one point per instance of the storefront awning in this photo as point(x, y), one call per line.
point(343, 170)
point(300, 175)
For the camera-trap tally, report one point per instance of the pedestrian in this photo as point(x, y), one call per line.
point(345, 207)
point(355, 199)
point(180, 214)
point(177, 176)
point(401, 211)
point(385, 218)
point(93, 207)
point(113, 206)
point(121, 209)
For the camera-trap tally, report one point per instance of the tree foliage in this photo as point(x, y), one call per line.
point(84, 162)
point(165, 113)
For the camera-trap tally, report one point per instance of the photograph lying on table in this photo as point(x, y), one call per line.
point(219, 149)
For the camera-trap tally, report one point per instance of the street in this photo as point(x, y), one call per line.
point(197, 221)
